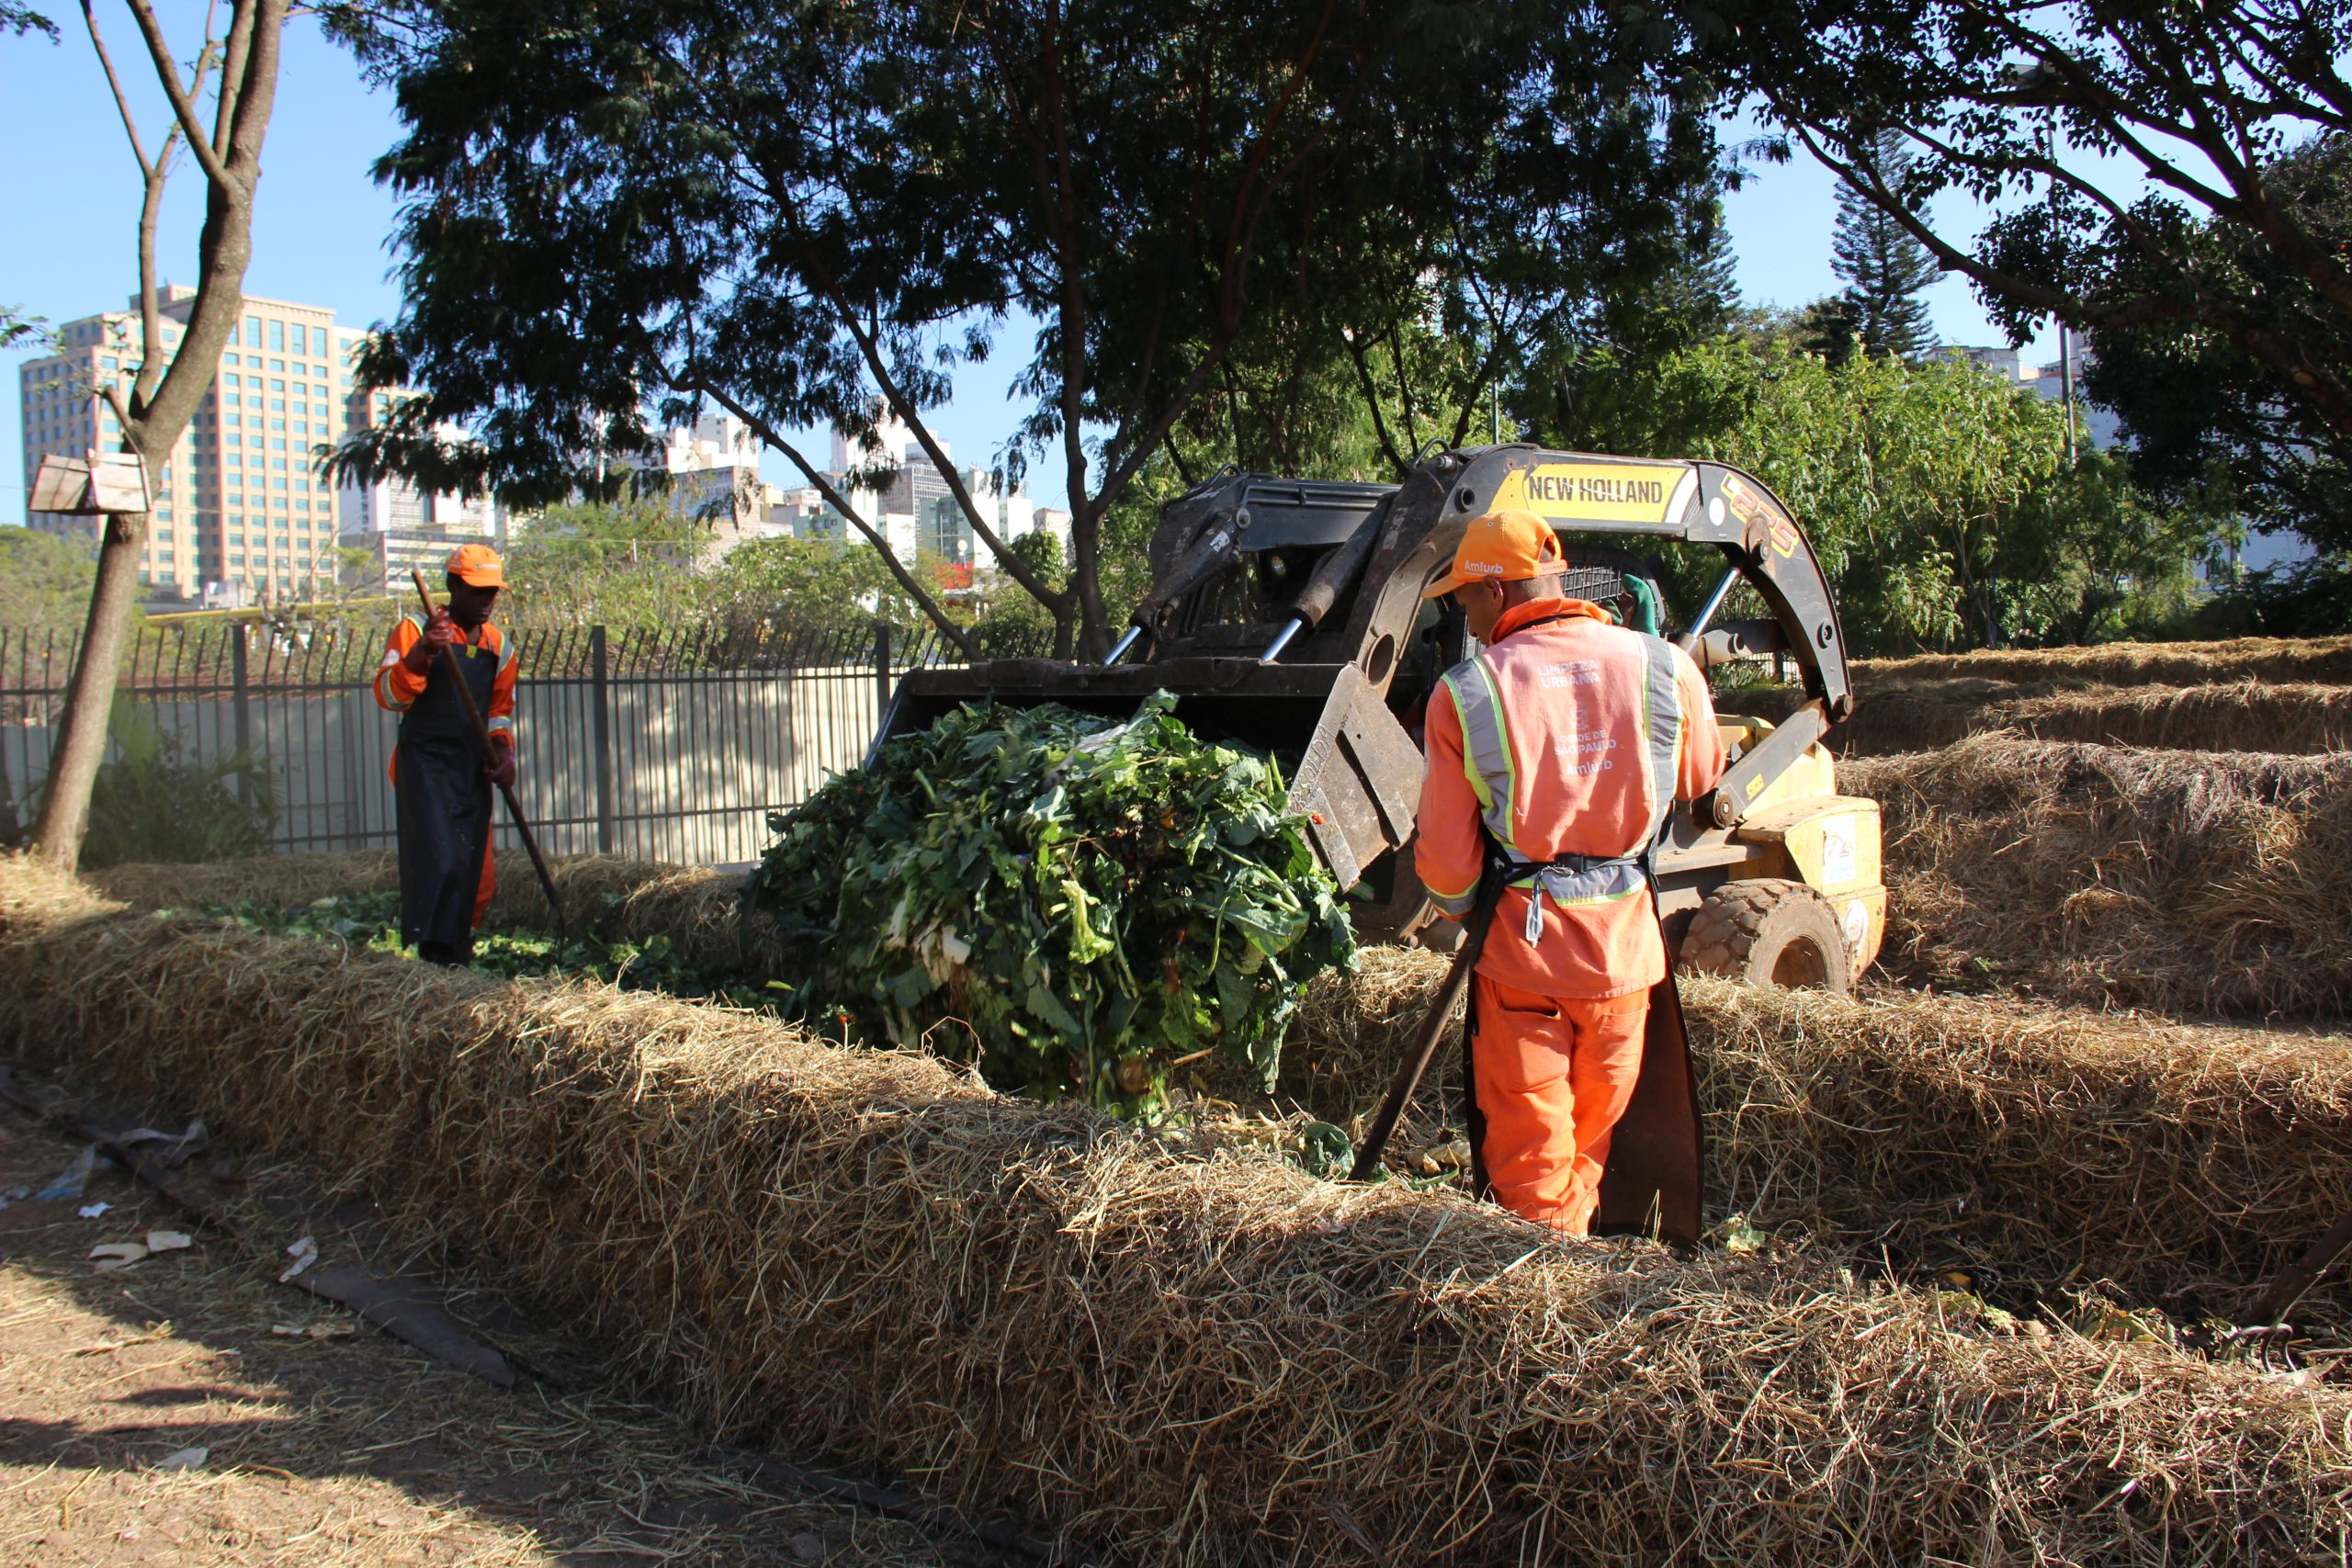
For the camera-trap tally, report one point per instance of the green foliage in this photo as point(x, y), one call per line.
point(16, 329)
point(150, 806)
point(2196, 405)
point(627, 565)
point(2166, 178)
point(1077, 903)
point(1884, 268)
point(634, 565)
point(1935, 494)
point(22, 19)
point(2310, 598)
point(806, 585)
point(45, 581)
point(611, 208)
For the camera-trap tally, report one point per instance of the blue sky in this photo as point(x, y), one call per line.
point(320, 220)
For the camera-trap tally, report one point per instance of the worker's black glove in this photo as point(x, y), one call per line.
point(501, 772)
point(440, 632)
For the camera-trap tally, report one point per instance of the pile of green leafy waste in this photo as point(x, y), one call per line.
point(372, 922)
point(1082, 904)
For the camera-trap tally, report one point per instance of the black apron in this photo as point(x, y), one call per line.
point(443, 802)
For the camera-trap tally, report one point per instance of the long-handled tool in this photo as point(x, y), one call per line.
point(1432, 1030)
point(489, 757)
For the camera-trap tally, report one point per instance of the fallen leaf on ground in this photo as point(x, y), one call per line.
point(186, 1459)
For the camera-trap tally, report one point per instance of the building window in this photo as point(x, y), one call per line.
point(278, 337)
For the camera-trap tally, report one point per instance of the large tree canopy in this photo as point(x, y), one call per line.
point(2207, 421)
point(1936, 495)
point(807, 214)
point(2123, 145)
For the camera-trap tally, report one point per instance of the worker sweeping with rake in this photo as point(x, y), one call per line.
point(441, 774)
point(1555, 756)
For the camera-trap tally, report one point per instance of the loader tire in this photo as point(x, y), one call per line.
point(1768, 931)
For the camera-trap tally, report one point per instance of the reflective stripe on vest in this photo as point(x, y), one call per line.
point(1494, 779)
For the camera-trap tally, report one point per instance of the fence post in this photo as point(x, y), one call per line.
point(240, 695)
point(881, 674)
point(601, 696)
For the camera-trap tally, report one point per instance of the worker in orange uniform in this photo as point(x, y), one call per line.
point(1555, 754)
point(441, 787)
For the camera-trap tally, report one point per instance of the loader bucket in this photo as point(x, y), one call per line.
point(1355, 774)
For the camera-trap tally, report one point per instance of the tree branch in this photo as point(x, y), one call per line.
point(121, 104)
point(839, 502)
point(167, 71)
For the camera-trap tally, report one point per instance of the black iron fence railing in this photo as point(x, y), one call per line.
point(671, 745)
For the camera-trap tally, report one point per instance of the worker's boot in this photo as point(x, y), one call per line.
point(454, 954)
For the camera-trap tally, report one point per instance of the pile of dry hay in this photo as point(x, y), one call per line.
point(2038, 1149)
point(1185, 1361)
point(2239, 715)
point(1950, 1131)
point(2326, 659)
point(2187, 882)
point(616, 897)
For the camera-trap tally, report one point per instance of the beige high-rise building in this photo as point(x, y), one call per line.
point(239, 514)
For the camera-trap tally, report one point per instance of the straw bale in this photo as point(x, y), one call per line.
point(614, 895)
point(1178, 1360)
point(282, 880)
point(2327, 660)
point(2236, 716)
point(2182, 881)
point(2034, 1147)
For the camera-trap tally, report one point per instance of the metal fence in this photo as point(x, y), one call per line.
point(668, 746)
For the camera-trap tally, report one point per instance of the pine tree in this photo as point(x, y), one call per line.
point(1696, 297)
point(1884, 269)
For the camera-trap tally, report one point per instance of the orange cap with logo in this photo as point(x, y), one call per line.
point(1502, 547)
point(478, 566)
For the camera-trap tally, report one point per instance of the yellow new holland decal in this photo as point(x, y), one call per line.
point(1594, 493)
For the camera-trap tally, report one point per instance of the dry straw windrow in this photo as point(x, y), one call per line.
point(2021, 1143)
point(624, 899)
point(1180, 1360)
point(2036, 1149)
point(2182, 881)
point(2238, 715)
point(2327, 660)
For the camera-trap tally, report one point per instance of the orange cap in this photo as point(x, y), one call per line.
point(1502, 547)
point(478, 566)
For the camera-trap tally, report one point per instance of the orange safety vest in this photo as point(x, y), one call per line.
point(1575, 737)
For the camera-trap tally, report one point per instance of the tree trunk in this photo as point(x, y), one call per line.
point(89, 701)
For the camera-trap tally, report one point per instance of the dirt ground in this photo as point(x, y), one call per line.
point(326, 1441)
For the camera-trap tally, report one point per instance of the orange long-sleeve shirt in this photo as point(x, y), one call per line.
point(1572, 693)
point(397, 688)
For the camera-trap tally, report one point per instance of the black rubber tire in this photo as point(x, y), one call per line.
point(1769, 931)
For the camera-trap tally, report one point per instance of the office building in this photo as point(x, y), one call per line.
point(239, 514)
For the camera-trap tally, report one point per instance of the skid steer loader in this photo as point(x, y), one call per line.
point(1287, 615)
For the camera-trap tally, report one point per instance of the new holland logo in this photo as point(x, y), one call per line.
point(1590, 492)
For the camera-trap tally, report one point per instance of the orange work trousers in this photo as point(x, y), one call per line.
point(1553, 1075)
point(488, 884)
